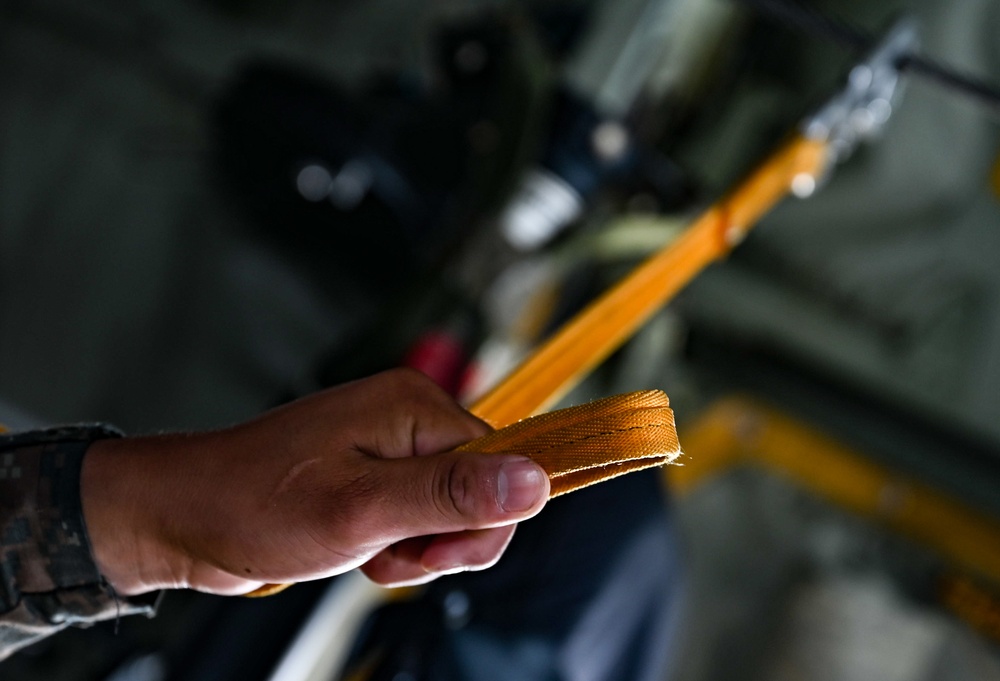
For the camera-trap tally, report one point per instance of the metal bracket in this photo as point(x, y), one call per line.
point(860, 111)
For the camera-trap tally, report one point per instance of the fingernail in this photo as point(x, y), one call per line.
point(519, 485)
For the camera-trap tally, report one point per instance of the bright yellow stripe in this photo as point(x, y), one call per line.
point(736, 431)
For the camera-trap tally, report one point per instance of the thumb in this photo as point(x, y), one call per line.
point(457, 491)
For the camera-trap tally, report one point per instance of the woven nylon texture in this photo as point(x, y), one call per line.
point(593, 442)
point(583, 445)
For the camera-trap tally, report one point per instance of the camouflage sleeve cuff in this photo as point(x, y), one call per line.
point(48, 577)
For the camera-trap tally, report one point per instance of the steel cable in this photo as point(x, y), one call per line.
point(807, 19)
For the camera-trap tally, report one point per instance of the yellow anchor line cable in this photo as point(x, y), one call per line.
point(584, 445)
point(597, 331)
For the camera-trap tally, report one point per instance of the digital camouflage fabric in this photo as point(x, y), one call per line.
point(48, 577)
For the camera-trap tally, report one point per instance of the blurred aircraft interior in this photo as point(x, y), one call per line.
point(211, 207)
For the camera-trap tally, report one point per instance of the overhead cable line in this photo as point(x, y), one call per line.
point(808, 19)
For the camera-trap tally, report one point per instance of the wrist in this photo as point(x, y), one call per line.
point(120, 508)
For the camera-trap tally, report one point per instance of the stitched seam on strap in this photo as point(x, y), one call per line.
point(566, 443)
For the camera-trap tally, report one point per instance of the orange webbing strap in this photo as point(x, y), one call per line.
point(584, 445)
point(593, 442)
point(586, 340)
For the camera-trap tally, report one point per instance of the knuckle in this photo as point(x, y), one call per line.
point(411, 384)
point(405, 381)
point(457, 488)
point(409, 390)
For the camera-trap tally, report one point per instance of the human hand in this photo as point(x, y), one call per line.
point(358, 475)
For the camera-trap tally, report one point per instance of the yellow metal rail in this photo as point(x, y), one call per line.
point(738, 431)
